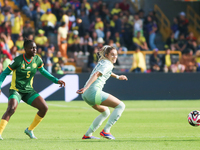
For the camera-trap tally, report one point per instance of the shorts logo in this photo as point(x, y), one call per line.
point(34, 65)
point(23, 66)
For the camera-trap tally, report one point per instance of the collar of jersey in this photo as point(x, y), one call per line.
point(27, 60)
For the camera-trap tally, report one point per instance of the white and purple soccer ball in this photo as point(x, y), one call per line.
point(194, 118)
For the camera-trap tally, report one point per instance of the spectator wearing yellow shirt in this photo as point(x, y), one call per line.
point(10, 42)
point(49, 21)
point(99, 27)
point(45, 5)
point(20, 43)
point(166, 61)
point(41, 40)
point(139, 63)
point(87, 5)
point(116, 9)
point(2, 18)
point(16, 25)
point(140, 41)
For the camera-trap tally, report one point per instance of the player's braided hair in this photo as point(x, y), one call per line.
point(105, 50)
point(27, 42)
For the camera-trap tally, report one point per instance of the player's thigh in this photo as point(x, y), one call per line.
point(111, 101)
point(34, 99)
point(100, 108)
point(39, 103)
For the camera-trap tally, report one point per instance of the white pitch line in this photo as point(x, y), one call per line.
point(56, 105)
point(127, 109)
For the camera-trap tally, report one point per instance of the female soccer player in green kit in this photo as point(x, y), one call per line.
point(92, 93)
point(24, 68)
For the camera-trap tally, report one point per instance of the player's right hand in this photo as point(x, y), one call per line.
point(62, 83)
point(81, 91)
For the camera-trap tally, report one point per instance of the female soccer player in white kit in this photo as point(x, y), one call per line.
point(93, 95)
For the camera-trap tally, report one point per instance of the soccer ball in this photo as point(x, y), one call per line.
point(194, 118)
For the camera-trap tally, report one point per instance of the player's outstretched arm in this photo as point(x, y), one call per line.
point(121, 77)
point(45, 73)
point(92, 79)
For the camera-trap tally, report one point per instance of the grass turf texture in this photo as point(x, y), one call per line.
point(143, 125)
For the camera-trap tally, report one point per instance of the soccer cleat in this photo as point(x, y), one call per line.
point(89, 137)
point(107, 135)
point(30, 133)
point(1, 137)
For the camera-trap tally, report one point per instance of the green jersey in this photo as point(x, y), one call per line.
point(105, 67)
point(23, 72)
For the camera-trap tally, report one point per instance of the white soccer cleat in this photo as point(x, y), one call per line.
point(30, 133)
point(1, 138)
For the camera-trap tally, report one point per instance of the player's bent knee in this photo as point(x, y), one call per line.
point(45, 108)
point(106, 113)
point(121, 106)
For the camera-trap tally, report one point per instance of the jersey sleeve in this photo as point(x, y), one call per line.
point(14, 64)
point(103, 67)
point(45, 73)
point(3, 75)
point(40, 63)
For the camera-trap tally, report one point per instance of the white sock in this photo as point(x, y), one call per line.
point(114, 116)
point(97, 122)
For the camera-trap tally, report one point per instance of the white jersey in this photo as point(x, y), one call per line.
point(105, 67)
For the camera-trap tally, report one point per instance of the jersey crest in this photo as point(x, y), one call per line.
point(34, 65)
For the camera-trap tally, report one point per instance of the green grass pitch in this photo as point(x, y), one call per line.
point(148, 125)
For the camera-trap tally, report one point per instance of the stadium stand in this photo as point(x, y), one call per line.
point(77, 26)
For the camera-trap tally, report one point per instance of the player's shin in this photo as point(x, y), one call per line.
point(114, 116)
point(97, 122)
point(3, 124)
point(35, 122)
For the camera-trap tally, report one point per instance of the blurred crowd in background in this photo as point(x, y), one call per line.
point(81, 29)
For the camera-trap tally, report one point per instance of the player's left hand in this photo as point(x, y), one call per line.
point(123, 77)
point(62, 83)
